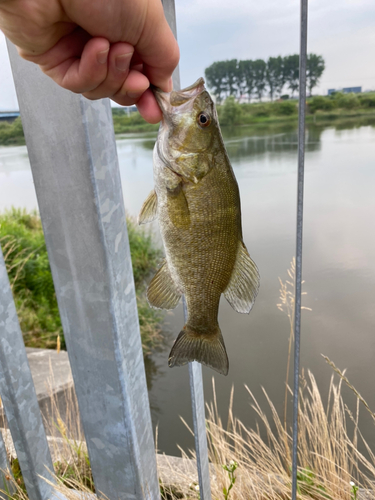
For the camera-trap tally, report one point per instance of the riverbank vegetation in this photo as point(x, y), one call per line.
point(334, 460)
point(245, 463)
point(124, 123)
point(331, 465)
point(26, 259)
point(319, 108)
point(231, 113)
point(11, 134)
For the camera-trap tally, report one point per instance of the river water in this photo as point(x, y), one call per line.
point(338, 266)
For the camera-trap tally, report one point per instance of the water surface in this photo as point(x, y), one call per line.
point(338, 265)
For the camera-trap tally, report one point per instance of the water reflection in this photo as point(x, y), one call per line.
point(149, 143)
point(250, 148)
point(338, 265)
point(151, 375)
point(339, 273)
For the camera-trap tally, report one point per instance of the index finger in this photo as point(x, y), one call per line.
point(158, 48)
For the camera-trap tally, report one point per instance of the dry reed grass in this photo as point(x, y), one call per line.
point(328, 454)
point(72, 470)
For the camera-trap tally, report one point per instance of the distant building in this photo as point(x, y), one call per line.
point(9, 115)
point(346, 90)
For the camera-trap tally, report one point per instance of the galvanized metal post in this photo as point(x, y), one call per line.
point(199, 423)
point(20, 401)
point(73, 157)
point(298, 283)
point(7, 488)
point(170, 15)
point(195, 369)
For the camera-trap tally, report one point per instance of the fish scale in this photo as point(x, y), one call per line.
point(196, 201)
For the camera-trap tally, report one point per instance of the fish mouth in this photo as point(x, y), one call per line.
point(168, 101)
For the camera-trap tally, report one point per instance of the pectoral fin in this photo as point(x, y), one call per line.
point(178, 209)
point(162, 292)
point(243, 286)
point(149, 209)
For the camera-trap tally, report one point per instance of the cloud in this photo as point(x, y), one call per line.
point(8, 99)
point(340, 30)
point(343, 31)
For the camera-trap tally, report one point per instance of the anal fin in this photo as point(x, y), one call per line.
point(162, 293)
point(243, 286)
point(149, 209)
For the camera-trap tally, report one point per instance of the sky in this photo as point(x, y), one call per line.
point(342, 31)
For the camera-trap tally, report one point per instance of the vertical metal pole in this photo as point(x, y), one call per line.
point(6, 475)
point(199, 422)
point(195, 369)
point(20, 401)
point(298, 283)
point(73, 157)
point(200, 437)
point(170, 15)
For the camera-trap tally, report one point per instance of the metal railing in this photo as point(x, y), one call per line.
point(73, 158)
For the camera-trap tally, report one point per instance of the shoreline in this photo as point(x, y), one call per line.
point(7, 138)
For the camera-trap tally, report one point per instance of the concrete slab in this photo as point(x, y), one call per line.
point(50, 371)
point(53, 382)
point(174, 472)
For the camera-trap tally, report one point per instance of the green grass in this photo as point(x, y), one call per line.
point(337, 106)
point(231, 113)
point(11, 134)
point(26, 258)
point(133, 123)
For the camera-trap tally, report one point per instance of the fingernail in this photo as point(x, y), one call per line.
point(102, 56)
point(122, 62)
point(134, 95)
point(170, 84)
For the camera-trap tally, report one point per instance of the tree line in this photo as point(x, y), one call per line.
point(256, 78)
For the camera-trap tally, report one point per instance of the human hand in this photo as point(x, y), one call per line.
point(111, 48)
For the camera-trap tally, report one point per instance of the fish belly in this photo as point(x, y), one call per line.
point(201, 256)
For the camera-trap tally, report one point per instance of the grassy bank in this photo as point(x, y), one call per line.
point(334, 460)
point(231, 113)
point(246, 463)
point(11, 134)
point(26, 258)
point(319, 108)
point(132, 123)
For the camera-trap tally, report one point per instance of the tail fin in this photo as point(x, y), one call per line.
point(208, 349)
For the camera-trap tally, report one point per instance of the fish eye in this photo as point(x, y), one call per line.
point(203, 119)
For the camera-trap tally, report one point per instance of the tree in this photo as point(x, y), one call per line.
point(259, 68)
point(291, 72)
point(246, 69)
point(231, 112)
point(315, 68)
point(215, 76)
point(231, 76)
point(274, 75)
point(240, 80)
point(236, 78)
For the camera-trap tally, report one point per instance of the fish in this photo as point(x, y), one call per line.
point(197, 204)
